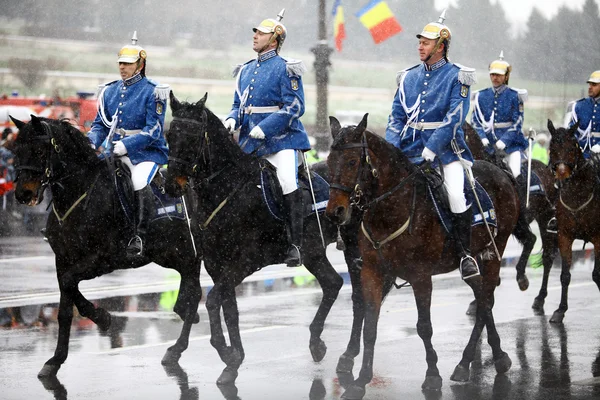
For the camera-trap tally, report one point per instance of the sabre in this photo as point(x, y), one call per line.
point(531, 138)
point(187, 218)
point(312, 192)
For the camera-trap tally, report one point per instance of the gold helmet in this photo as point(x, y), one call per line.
point(501, 67)
point(594, 77)
point(437, 30)
point(275, 27)
point(131, 53)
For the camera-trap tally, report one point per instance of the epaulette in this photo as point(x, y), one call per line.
point(400, 74)
point(102, 86)
point(466, 75)
point(294, 67)
point(161, 91)
point(523, 94)
point(236, 69)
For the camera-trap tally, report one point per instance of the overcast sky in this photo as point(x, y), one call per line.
point(517, 11)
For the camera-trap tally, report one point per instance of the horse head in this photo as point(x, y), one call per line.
point(352, 173)
point(565, 153)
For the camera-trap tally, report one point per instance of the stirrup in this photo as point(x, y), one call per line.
point(470, 273)
point(291, 259)
point(552, 226)
point(135, 246)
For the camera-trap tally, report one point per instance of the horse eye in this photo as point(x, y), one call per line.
point(352, 163)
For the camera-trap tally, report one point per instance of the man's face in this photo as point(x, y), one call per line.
point(497, 79)
point(260, 40)
point(426, 47)
point(127, 70)
point(593, 89)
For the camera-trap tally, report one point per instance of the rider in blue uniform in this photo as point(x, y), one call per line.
point(429, 109)
point(130, 121)
point(267, 106)
point(587, 113)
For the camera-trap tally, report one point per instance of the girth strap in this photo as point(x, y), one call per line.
point(378, 245)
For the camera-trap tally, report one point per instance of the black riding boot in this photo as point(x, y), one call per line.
point(462, 231)
point(294, 219)
point(143, 200)
point(522, 190)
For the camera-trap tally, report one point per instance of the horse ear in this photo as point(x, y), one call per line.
point(175, 104)
point(18, 124)
point(551, 127)
point(37, 123)
point(362, 126)
point(335, 126)
point(203, 100)
point(574, 128)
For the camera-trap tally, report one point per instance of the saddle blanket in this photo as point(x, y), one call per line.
point(535, 185)
point(166, 206)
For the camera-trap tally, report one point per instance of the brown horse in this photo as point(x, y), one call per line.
point(576, 211)
point(402, 237)
point(540, 209)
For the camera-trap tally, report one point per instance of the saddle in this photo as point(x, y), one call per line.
point(273, 196)
point(165, 206)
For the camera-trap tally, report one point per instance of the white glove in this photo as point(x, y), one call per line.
point(596, 148)
point(119, 149)
point(485, 142)
point(257, 133)
point(230, 124)
point(427, 154)
point(500, 145)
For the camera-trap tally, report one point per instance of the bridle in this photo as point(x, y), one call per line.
point(189, 167)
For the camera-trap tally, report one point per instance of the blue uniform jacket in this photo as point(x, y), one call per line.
point(439, 95)
point(587, 112)
point(140, 104)
point(505, 108)
point(270, 81)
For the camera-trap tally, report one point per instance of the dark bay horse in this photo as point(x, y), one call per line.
point(406, 240)
point(239, 235)
point(89, 231)
point(540, 210)
point(577, 209)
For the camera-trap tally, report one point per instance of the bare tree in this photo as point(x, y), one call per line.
point(30, 71)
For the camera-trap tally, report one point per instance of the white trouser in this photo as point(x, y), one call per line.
point(514, 162)
point(454, 181)
point(286, 163)
point(142, 173)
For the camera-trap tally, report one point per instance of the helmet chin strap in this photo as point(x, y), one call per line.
point(435, 49)
point(266, 46)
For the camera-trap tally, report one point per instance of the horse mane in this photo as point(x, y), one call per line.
point(74, 142)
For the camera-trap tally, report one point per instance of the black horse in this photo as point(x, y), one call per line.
point(540, 209)
point(88, 229)
point(239, 235)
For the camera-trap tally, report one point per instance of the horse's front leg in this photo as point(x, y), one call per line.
point(354, 262)
point(372, 280)
point(565, 243)
point(331, 283)
point(548, 252)
point(65, 318)
point(596, 272)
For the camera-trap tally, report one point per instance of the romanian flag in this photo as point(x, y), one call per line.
point(379, 20)
point(339, 31)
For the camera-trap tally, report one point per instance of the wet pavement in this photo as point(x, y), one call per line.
point(276, 306)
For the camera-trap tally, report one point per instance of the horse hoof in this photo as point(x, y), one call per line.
point(228, 376)
point(354, 392)
point(318, 349)
point(48, 370)
point(503, 363)
point(344, 365)
point(171, 357)
point(432, 383)
point(538, 305)
point(523, 283)
point(472, 309)
point(232, 357)
point(346, 379)
point(557, 317)
point(460, 374)
point(103, 319)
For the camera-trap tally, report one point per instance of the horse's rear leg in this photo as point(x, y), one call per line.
point(565, 245)
point(346, 361)
point(596, 272)
point(65, 318)
point(523, 234)
point(372, 282)
point(548, 253)
point(331, 283)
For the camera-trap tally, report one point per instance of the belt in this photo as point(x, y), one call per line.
point(423, 126)
point(500, 125)
point(128, 132)
point(261, 110)
point(595, 134)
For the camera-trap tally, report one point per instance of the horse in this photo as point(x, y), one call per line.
point(88, 229)
point(238, 233)
point(540, 209)
point(403, 237)
point(577, 215)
